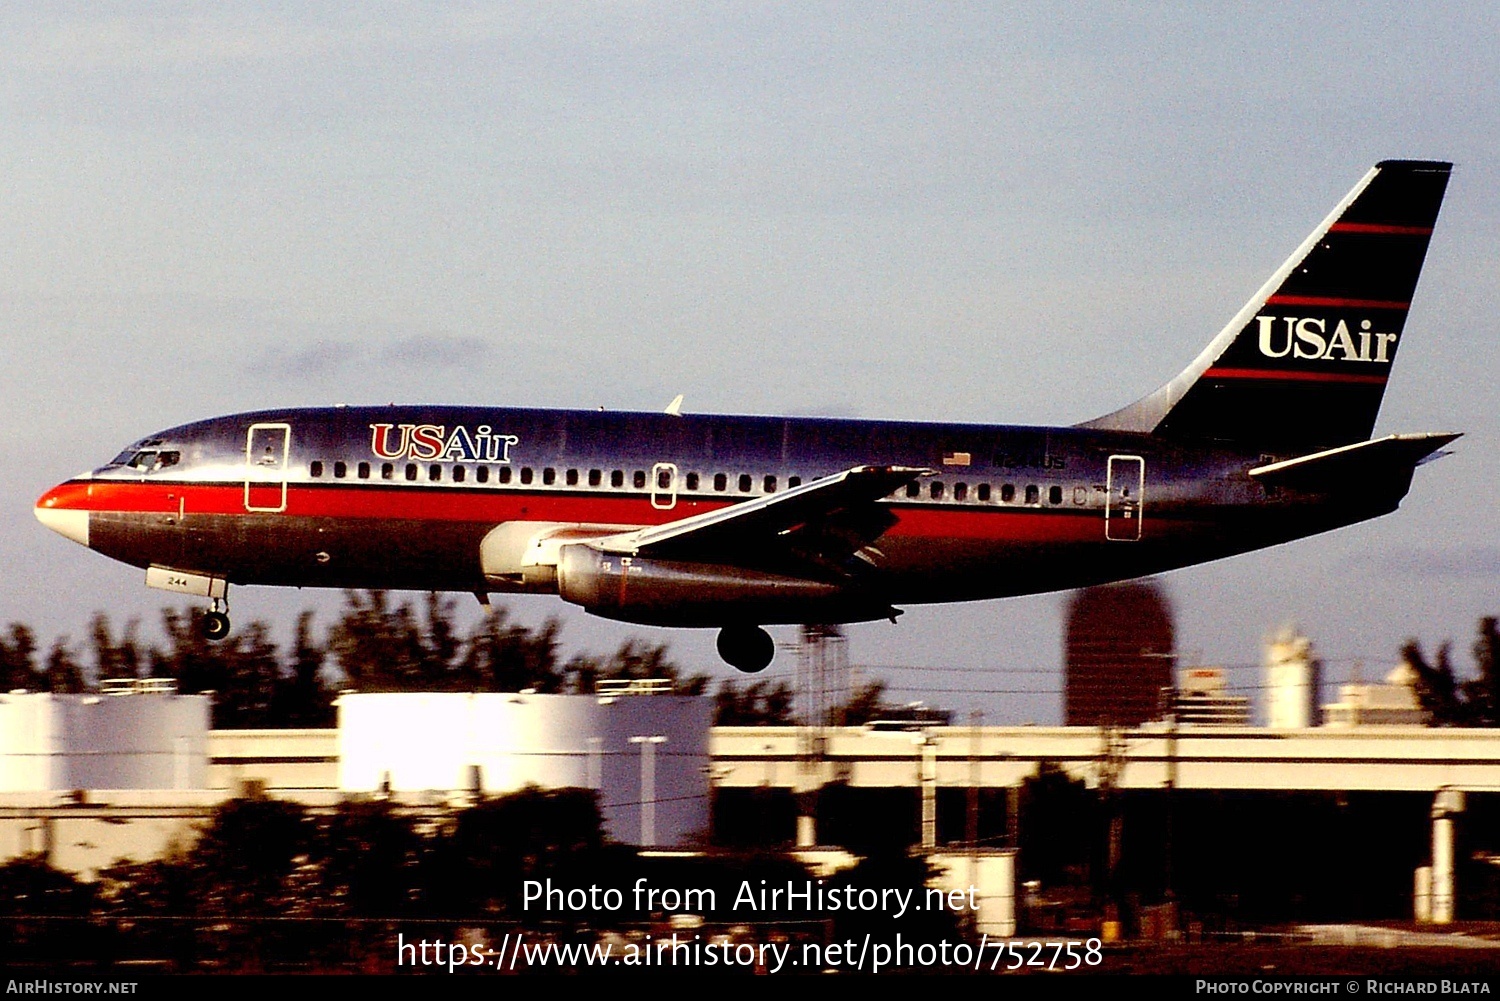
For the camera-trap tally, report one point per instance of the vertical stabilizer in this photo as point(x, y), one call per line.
point(1304, 364)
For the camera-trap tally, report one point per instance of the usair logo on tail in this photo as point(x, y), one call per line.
point(1308, 337)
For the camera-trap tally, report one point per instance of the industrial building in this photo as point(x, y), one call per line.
point(91, 779)
point(645, 752)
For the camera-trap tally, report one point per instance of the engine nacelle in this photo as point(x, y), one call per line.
point(672, 592)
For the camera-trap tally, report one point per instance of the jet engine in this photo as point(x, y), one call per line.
point(679, 593)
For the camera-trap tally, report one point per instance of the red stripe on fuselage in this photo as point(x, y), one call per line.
point(491, 506)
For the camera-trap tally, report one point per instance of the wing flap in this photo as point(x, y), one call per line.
point(826, 519)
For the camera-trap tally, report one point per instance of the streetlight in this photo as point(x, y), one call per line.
point(648, 786)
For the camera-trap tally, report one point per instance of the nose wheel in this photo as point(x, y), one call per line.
point(746, 648)
point(215, 622)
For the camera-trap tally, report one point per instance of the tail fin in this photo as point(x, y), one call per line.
point(1304, 364)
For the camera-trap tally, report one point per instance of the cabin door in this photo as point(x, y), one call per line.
point(664, 486)
point(267, 447)
point(1123, 503)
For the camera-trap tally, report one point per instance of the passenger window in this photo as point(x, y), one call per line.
point(482, 474)
point(572, 477)
point(639, 479)
point(983, 493)
point(505, 474)
point(458, 474)
point(1033, 494)
point(1054, 495)
point(340, 470)
point(387, 471)
point(595, 477)
point(913, 489)
point(793, 482)
point(936, 490)
point(1007, 492)
point(434, 472)
point(315, 470)
point(525, 474)
point(745, 483)
point(692, 481)
point(663, 479)
point(411, 470)
point(1080, 495)
point(721, 482)
point(549, 476)
point(960, 491)
point(364, 470)
point(617, 478)
point(770, 484)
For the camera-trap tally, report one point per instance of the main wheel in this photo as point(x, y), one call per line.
point(746, 648)
point(215, 626)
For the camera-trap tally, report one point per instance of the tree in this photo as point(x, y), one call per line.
point(18, 659)
point(379, 648)
point(760, 703)
point(1058, 824)
point(303, 700)
point(505, 656)
point(865, 703)
point(115, 659)
point(243, 672)
point(370, 859)
point(480, 865)
point(633, 660)
point(64, 673)
point(1453, 702)
point(245, 859)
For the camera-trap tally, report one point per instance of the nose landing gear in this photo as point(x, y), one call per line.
point(215, 624)
point(746, 648)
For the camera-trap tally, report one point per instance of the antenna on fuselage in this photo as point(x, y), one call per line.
point(675, 407)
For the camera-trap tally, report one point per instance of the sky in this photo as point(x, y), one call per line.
point(935, 212)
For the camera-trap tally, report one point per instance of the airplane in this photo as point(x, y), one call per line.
point(736, 523)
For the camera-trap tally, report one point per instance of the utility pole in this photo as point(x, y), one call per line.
point(822, 692)
point(1111, 764)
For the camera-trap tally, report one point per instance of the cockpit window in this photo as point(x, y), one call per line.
point(150, 461)
point(132, 455)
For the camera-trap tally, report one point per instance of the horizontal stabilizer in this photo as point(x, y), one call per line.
point(1350, 465)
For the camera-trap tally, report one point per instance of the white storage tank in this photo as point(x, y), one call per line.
point(646, 755)
point(133, 734)
point(1294, 681)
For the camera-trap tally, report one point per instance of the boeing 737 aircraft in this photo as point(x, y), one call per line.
point(735, 523)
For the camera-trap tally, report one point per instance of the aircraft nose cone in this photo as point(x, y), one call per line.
point(63, 509)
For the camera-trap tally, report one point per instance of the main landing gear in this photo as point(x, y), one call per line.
point(746, 648)
point(215, 622)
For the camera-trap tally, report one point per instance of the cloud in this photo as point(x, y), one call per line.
point(333, 358)
point(1451, 561)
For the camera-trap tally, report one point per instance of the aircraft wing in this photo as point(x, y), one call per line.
point(824, 523)
point(1352, 464)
